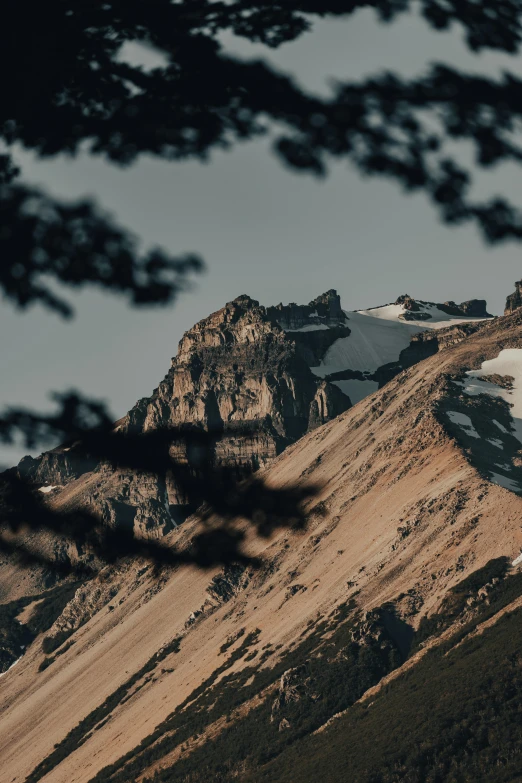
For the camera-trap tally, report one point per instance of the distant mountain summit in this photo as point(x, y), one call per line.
point(385, 340)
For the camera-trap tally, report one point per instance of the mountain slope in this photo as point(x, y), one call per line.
point(455, 716)
point(405, 512)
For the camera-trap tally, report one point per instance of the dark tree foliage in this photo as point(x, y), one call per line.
point(77, 245)
point(69, 89)
point(44, 241)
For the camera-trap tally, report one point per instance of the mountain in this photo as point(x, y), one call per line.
point(257, 378)
point(385, 340)
point(380, 642)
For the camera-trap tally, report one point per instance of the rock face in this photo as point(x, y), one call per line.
point(476, 308)
point(56, 467)
point(514, 300)
point(325, 309)
point(237, 375)
point(426, 344)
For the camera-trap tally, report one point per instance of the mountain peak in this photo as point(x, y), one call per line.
point(245, 301)
point(471, 308)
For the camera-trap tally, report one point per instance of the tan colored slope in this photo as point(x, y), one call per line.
point(385, 464)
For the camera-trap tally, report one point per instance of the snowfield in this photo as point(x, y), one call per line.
point(463, 421)
point(507, 363)
point(378, 336)
point(438, 318)
point(309, 328)
point(356, 390)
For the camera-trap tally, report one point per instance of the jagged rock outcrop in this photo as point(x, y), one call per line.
point(56, 467)
point(472, 308)
point(294, 685)
point(408, 302)
point(426, 344)
point(325, 309)
point(239, 376)
point(514, 300)
point(476, 308)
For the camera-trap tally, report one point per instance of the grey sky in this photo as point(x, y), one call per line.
point(262, 230)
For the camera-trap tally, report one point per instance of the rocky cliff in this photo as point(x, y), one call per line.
point(239, 376)
point(514, 300)
point(325, 309)
point(239, 366)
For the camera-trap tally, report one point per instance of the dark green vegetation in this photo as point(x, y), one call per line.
point(456, 716)
point(499, 592)
point(323, 676)
point(327, 675)
point(16, 637)
point(101, 714)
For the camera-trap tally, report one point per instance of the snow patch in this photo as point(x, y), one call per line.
point(504, 481)
point(517, 560)
point(378, 336)
point(357, 390)
point(45, 490)
point(308, 328)
point(12, 665)
point(508, 362)
point(495, 442)
point(464, 422)
point(373, 341)
point(438, 318)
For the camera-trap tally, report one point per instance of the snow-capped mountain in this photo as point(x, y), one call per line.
point(378, 336)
